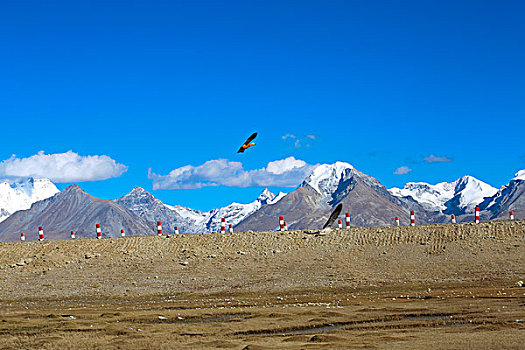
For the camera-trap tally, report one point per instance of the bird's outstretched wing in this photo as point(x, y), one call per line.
point(334, 216)
point(251, 138)
point(245, 144)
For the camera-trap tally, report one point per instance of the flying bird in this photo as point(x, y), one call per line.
point(248, 143)
point(326, 228)
point(334, 216)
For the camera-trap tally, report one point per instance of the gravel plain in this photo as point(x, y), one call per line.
point(434, 286)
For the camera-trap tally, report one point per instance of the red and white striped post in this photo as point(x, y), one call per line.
point(223, 225)
point(347, 220)
point(453, 218)
point(281, 223)
point(22, 237)
point(397, 221)
point(99, 231)
point(412, 218)
point(339, 224)
point(159, 228)
point(285, 226)
point(176, 230)
point(511, 215)
point(40, 233)
point(230, 228)
point(72, 234)
point(477, 215)
point(122, 232)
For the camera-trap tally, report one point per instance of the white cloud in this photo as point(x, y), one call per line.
point(62, 167)
point(287, 172)
point(299, 142)
point(291, 136)
point(435, 159)
point(402, 170)
point(281, 166)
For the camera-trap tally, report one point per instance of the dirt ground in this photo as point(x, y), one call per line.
point(426, 287)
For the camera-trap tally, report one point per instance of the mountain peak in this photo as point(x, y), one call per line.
point(326, 177)
point(137, 192)
point(266, 196)
point(72, 188)
point(138, 189)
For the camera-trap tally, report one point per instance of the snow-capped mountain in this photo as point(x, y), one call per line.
point(431, 196)
point(457, 197)
point(326, 179)
point(369, 202)
point(21, 194)
point(236, 212)
point(469, 192)
point(510, 197)
point(190, 220)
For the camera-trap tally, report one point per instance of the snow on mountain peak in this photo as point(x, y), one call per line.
point(472, 191)
point(520, 175)
point(466, 191)
point(266, 196)
point(326, 177)
point(426, 194)
point(21, 194)
point(137, 190)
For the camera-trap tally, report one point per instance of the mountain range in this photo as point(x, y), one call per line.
point(308, 206)
point(145, 205)
point(72, 209)
point(457, 197)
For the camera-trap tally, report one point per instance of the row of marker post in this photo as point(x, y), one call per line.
point(452, 217)
point(283, 226)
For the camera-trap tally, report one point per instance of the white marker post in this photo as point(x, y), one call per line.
point(176, 230)
point(339, 224)
point(22, 237)
point(511, 215)
point(122, 233)
point(453, 218)
point(230, 228)
point(397, 221)
point(72, 234)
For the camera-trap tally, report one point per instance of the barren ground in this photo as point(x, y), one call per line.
point(426, 287)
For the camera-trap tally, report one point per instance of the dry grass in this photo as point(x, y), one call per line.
point(430, 287)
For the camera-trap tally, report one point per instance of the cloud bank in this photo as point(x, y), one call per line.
point(435, 159)
point(402, 170)
point(288, 172)
point(62, 167)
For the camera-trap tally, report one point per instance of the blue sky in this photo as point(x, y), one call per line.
point(162, 85)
